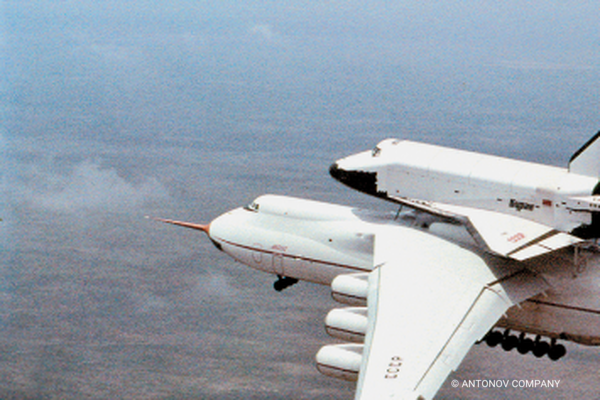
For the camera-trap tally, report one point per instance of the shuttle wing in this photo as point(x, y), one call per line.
point(502, 234)
point(428, 301)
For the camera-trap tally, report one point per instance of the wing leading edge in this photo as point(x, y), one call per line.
point(428, 301)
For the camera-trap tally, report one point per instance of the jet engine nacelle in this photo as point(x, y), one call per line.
point(341, 361)
point(348, 324)
point(351, 289)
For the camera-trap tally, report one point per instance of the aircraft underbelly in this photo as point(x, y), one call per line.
point(316, 271)
point(557, 320)
point(254, 257)
point(571, 309)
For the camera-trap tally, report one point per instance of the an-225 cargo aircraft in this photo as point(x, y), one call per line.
point(421, 291)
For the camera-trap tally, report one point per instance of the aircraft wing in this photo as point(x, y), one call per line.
point(502, 234)
point(428, 301)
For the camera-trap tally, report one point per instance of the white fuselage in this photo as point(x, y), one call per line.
point(549, 195)
point(316, 242)
point(298, 238)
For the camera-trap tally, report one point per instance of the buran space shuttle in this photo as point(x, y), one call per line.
point(511, 208)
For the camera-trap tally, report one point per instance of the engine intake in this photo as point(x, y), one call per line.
point(351, 289)
point(341, 361)
point(348, 324)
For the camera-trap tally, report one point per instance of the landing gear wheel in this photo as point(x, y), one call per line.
point(556, 351)
point(283, 282)
point(525, 345)
point(510, 342)
point(279, 285)
point(493, 338)
point(540, 348)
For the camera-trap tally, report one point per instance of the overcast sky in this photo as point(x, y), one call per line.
point(114, 110)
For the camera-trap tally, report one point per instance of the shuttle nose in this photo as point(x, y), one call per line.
point(363, 181)
point(334, 171)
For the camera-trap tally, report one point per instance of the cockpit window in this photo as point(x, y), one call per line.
point(252, 207)
point(384, 144)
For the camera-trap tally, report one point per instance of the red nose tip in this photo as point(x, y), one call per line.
point(200, 227)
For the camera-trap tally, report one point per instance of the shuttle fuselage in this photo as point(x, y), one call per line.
point(556, 197)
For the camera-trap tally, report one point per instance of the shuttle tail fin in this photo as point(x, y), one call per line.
point(586, 160)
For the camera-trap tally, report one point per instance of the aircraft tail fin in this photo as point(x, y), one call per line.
point(586, 160)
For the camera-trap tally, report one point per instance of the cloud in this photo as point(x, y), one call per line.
point(266, 33)
point(263, 30)
point(90, 187)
